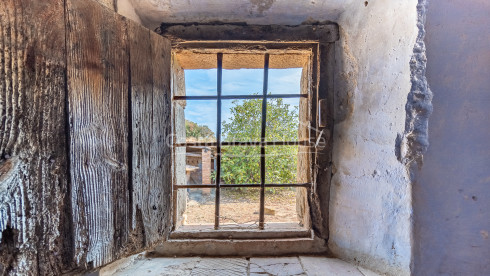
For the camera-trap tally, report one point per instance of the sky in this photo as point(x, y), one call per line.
point(202, 82)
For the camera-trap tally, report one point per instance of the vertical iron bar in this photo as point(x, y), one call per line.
point(218, 142)
point(262, 139)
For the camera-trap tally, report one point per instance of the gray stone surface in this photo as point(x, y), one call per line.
point(321, 266)
point(221, 266)
point(276, 266)
point(154, 266)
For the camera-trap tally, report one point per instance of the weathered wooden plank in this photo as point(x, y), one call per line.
point(97, 75)
point(228, 31)
point(141, 113)
point(323, 156)
point(150, 108)
point(33, 152)
point(160, 181)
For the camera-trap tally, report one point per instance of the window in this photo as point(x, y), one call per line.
point(214, 50)
point(247, 115)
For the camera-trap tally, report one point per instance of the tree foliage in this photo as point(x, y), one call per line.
point(241, 164)
point(197, 132)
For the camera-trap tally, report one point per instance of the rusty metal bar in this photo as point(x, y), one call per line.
point(242, 97)
point(258, 143)
point(262, 139)
point(198, 186)
point(218, 142)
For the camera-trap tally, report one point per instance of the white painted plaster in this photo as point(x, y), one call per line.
point(125, 7)
point(370, 207)
point(153, 12)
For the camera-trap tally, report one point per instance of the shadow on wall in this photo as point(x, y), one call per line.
point(345, 79)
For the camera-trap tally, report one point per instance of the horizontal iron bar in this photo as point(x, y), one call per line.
point(257, 143)
point(243, 97)
point(197, 186)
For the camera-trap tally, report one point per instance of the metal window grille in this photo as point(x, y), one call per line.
point(263, 143)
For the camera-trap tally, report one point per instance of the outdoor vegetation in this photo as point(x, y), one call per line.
point(241, 164)
point(197, 132)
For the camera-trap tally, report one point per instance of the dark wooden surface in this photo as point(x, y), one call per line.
point(80, 186)
point(33, 153)
point(323, 152)
point(141, 95)
point(160, 159)
point(228, 31)
point(150, 108)
point(98, 65)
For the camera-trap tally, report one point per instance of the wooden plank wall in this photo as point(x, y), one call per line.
point(98, 69)
point(119, 102)
point(83, 179)
point(33, 160)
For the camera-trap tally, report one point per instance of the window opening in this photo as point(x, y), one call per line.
point(270, 153)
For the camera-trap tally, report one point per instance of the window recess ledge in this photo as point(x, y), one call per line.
point(198, 186)
point(227, 232)
point(243, 248)
point(217, 31)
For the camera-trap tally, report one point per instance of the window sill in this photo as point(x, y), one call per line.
point(271, 231)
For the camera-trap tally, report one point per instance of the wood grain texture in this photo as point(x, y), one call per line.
point(65, 136)
point(98, 70)
point(160, 160)
point(141, 113)
point(33, 152)
point(150, 106)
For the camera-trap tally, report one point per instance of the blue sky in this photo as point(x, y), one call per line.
point(202, 82)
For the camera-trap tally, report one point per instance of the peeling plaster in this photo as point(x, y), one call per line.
point(413, 143)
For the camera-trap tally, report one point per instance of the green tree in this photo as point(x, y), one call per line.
point(241, 164)
point(198, 132)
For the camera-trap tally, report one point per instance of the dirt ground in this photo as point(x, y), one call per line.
point(241, 207)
